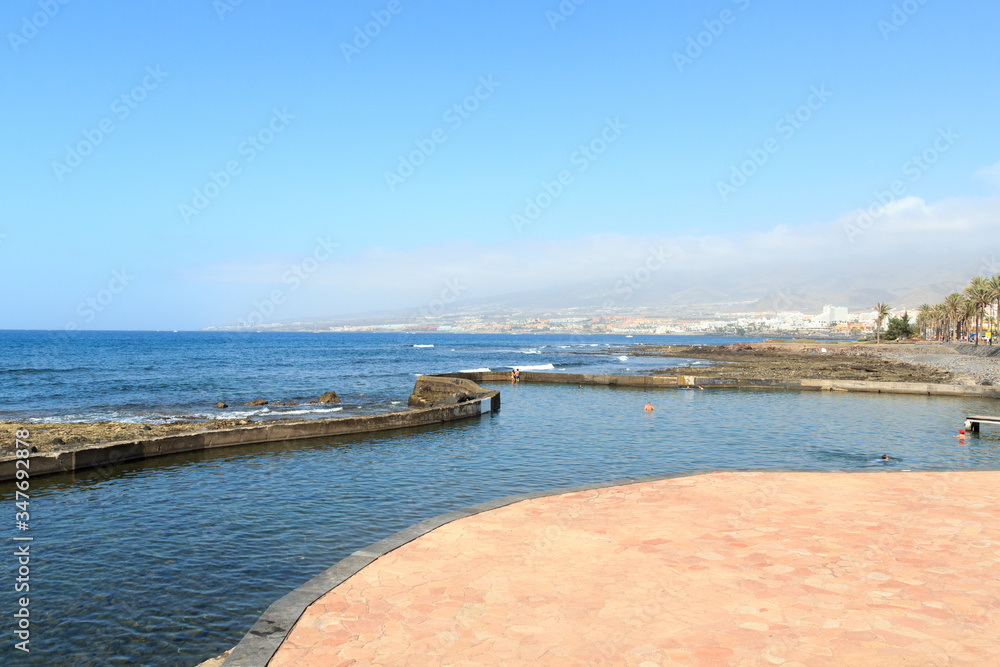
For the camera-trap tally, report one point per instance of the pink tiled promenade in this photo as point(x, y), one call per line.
point(734, 568)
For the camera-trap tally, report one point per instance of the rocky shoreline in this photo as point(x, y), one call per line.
point(810, 360)
point(61, 437)
point(440, 399)
point(56, 438)
point(979, 366)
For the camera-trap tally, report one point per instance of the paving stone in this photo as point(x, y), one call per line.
point(722, 568)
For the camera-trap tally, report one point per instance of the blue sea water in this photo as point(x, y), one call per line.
point(169, 561)
point(150, 376)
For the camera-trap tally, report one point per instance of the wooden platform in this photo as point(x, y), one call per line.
point(972, 423)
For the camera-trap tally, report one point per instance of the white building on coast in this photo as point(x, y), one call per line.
point(832, 315)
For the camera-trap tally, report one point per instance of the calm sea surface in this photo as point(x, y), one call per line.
point(149, 376)
point(169, 561)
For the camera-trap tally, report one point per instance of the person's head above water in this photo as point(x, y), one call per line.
point(885, 457)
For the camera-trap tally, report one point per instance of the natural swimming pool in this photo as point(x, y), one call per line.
point(169, 561)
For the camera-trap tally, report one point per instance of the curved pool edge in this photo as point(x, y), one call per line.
point(265, 637)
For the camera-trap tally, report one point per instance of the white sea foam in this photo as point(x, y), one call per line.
point(476, 370)
point(421, 346)
point(543, 367)
point(622, 358)
point(530, 351)
point(313, 411)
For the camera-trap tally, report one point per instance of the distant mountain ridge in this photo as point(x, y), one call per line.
point(689, 299)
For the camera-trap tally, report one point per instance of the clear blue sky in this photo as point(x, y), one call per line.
point(324, 172)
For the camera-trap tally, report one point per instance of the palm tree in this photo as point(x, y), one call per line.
point(980, 297)
point(881, 312)
point(953, 305)
point(940, 321)
point(924, 318)
point(971, 310)
point(994, 286)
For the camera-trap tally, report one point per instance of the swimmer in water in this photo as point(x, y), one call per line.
point(885, 457)
point(649, 407)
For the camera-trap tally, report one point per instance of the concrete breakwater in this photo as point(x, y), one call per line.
point(667, 381)
point(447, 399)
point(980, 350)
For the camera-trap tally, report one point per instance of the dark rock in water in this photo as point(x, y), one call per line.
point(221, 405)
point(311, 402)
point(451, 399)
point(429, 391)
point(329, 397)
point(259, 401)
point(291, 403)
point(276, 403)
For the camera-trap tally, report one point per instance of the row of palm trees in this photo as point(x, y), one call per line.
point(960, 314)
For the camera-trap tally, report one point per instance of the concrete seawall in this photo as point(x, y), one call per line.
point(981, 350)
point(113, 453)
point(919, 388)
